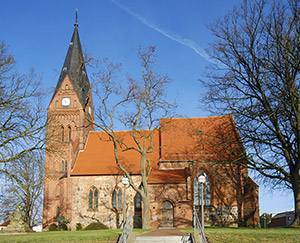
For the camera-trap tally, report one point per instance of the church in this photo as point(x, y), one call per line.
point(83, 181)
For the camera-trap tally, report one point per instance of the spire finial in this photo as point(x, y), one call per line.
point(76, 17)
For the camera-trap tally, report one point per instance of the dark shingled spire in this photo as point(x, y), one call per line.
point(74, 67)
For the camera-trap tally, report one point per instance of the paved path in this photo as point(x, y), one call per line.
point(165, 232)
point(163, 236)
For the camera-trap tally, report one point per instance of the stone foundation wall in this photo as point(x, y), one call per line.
point(178, 195)
point(219, 216)
point(105, 213)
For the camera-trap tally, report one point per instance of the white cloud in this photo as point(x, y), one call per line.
point(186, 42)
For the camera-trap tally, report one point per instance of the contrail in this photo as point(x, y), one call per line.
point(186, 42)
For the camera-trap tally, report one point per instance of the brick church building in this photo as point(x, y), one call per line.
point(83, 182)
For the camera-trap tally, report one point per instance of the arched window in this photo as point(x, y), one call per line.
point(117, 198)
point(64, 165)
point(62, 133)
point(198, 191)
point(167, 205)
point(138, 202)
point(69, 133)
point(93, 198)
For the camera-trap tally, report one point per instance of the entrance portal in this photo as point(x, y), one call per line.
point(167, 215)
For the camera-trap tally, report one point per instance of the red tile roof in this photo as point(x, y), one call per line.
point(179, 138)
point(98, 156)
point(198, 138)
point(167, 176)
point(6, 223)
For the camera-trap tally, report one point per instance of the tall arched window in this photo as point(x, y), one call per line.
point(62, 133)
point(138, 202)
point(69, 133)
point(198, 192)
point(64, 165)
point(57, 211)
point(93, 198)
point(117, 198)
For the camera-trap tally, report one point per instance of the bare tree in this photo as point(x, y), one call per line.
point(22, 119)
point(22, 124)
point(24, 187)
point(136, 105)
point(256, 77)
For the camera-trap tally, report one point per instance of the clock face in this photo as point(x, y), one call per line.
point(66, 101)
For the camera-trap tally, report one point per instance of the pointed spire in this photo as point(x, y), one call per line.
point(74, 67)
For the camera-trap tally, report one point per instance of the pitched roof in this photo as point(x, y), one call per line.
point(198, 138)
point(283, 214)
point(97, 158)
point(175, 141)
point(168, 176)
point(74, 67)
point(6, 223)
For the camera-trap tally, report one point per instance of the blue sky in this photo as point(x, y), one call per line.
point(38, 34)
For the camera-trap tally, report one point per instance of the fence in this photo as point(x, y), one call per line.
point(127, 229)
point(199, 235)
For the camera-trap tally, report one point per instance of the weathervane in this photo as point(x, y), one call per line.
point(76, 17)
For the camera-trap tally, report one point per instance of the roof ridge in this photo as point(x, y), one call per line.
point(203, 117)
point(119, 131)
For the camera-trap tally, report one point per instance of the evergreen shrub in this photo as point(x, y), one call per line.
point(52, 227)
point(78, 226)
point(95, 226)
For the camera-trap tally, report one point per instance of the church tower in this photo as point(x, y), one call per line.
point(69, 114)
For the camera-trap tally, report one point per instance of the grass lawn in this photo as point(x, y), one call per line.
point(67, 236)
point(214, 235)
point(238, 235)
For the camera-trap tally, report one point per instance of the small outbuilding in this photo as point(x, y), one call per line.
point(282, 219)
point(4, 225)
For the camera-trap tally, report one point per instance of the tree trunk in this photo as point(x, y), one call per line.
point(145, 194)
point(146, 211)
point(296, 191)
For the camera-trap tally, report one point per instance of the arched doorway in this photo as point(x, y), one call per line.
point(167, 214)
